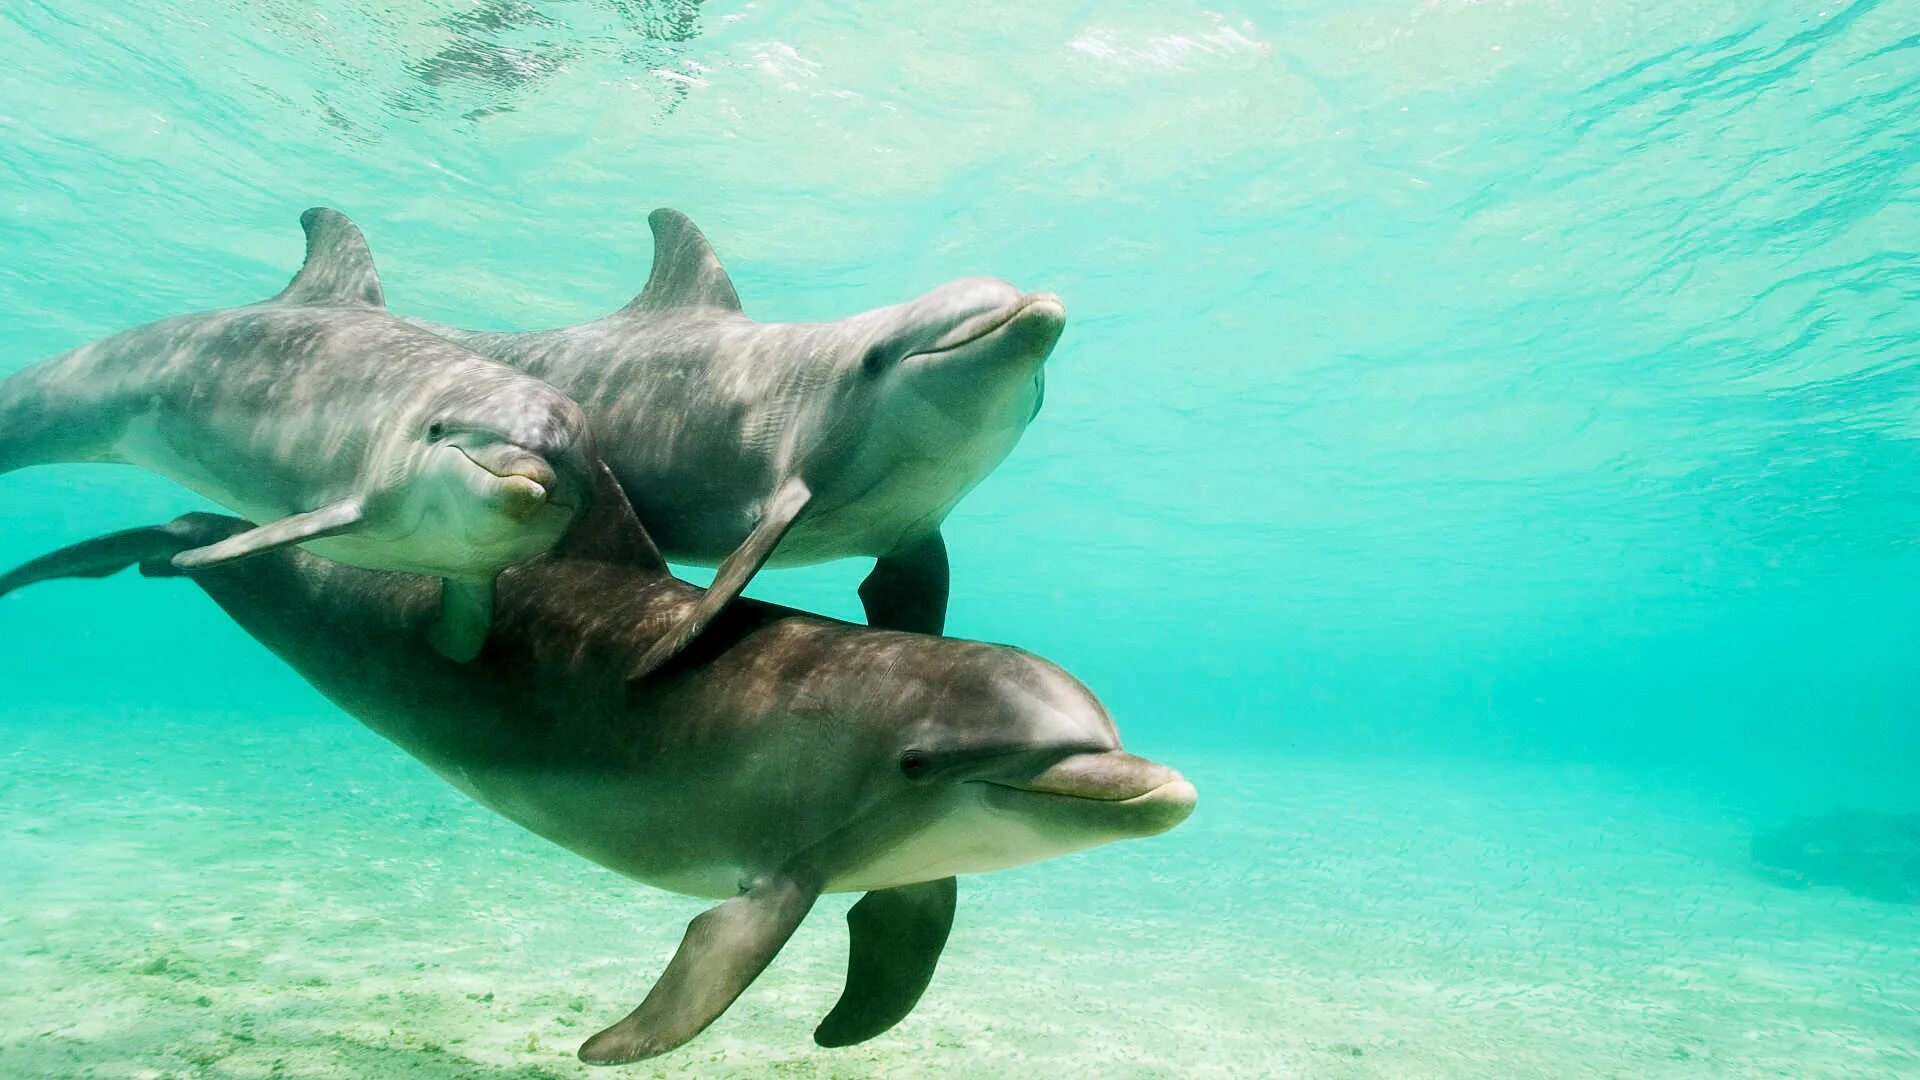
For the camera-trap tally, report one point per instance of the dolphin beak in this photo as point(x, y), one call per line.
point(1042, 317)
point(1038, 322)
point(1148, 796)
point(1031, 324)
point(526, 479)
point(1106, 775)
point(520, 496)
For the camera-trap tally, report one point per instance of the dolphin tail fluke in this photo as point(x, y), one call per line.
point(746, 561)
point(151, 549)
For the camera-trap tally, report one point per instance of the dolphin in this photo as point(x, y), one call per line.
point(745, 444)
point(780, 757)
point(366, 440)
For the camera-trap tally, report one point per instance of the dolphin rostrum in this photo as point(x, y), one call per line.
point(744, 443)
point(366, 440)
point(781, 756)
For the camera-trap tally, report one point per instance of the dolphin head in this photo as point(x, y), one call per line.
point(950, 382)
point(1009, 760)
point(507, 466)
point(965, 352)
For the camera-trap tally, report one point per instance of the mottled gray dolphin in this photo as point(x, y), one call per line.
point(347, 431)
point(744, 443)
point(781, 756)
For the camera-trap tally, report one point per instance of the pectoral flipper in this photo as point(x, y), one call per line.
point(780, 513)
point(896, 939)
point(330, 520)
point(725, 949)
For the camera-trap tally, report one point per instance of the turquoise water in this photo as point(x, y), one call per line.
point(1482, 454)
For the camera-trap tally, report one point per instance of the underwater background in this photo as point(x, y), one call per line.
point(1484, 455)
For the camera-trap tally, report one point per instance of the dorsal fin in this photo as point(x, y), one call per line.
point(339, 268)
point(686, 272)
point(610, 532)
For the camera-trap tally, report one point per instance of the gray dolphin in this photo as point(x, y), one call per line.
point(362, 438)
point(781, 756)
point(744, 443)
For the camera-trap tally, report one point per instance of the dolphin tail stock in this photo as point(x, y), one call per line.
point(43, 423)
point(466, 607)
point(781, 511)
point(151, 548)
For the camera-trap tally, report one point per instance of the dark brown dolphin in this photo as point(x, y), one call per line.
point(779, 757)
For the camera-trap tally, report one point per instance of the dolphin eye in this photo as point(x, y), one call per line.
point(875, 361)
point(436, 431)
point(913, 764)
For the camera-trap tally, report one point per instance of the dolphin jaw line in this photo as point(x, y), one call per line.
point(999, 321)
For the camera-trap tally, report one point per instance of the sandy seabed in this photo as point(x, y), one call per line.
point(210, 897)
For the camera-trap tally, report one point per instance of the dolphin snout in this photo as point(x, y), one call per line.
point(1106, 775)
point(506, 460)
point(1104, 792)
point(520, 497)
point(984, 308)
point(1039, 322)
point(1139, 796)
point(528, 481)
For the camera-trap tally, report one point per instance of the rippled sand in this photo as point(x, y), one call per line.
point(209, 897)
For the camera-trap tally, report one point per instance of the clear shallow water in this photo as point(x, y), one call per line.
point(301, 901)
point(1443, 382)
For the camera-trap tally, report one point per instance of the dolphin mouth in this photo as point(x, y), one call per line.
point(1109, 776)
point(983, 326)
point(526, 485)
point(1111, 793)
point(1177, 788)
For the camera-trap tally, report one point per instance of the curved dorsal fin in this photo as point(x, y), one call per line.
point(610, 532)
point(686, 272)
point(339, 268)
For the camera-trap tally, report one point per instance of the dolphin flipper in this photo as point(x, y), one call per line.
point(151, 548)
point(725, 949)
point(466, 614)
point(907, 589)
point(781, 511)
point(329, 520)
point(897, 935)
